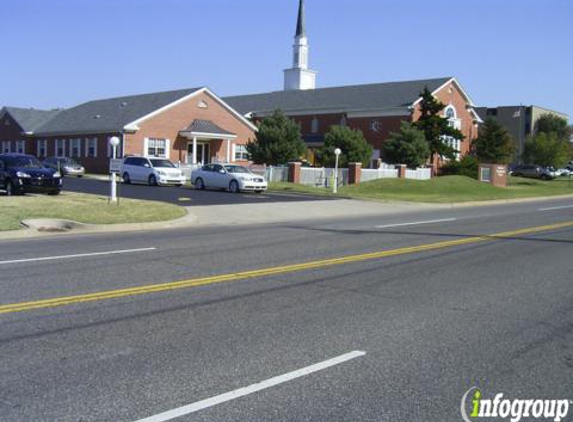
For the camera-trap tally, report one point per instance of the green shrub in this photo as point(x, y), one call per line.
point(467, 166)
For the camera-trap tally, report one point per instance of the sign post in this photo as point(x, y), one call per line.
point(114, 168)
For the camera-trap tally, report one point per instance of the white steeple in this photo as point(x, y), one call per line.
point(300, 77)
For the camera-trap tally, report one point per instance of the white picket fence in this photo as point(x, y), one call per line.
point(381, 173)
point(419, 174)
point(322, 177)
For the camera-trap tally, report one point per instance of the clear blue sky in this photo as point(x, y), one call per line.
point(58, 53)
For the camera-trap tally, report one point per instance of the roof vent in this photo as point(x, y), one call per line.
point(97, 116)
point(123, 104)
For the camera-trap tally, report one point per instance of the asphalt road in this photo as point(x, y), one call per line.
point(179, 195)
point(390, 336)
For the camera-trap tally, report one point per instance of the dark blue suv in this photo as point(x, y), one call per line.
point(20, 173)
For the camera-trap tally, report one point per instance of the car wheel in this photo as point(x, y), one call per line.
point(544, 177)
point(234, 186)
point(152, 180)
point(199, 184)
point(80, 176)
point(126, 179)
point(56, 192)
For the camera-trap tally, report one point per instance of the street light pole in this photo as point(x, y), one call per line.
point(114, 142)
point(337, 153)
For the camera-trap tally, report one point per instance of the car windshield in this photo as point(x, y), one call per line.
point(162, 163)
point(25, 162)
point(237, 169)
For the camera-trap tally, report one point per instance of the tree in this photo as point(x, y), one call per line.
point(436, 127)
point(409, 146)
point(354, 147)
point(546, 149)
point(550, 123)
point(494, 143)
point(278, 141)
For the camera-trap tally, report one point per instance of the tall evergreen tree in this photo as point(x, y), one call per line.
point(494, 143)
point(278, 141)
point(351, 142)
point(436, 127)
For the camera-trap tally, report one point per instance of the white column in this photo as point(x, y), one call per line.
point(194, 161)
point(228, 150)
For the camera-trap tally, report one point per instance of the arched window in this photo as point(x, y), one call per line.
point(450, 112)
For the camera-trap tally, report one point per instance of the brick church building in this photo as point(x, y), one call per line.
point(375, 109)
point(196, 126)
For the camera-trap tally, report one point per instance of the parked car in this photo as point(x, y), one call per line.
point(533, 171)
point(153, 171)
point(20, 173)
point(233, 177)
point(66, 166)
point(563, 172)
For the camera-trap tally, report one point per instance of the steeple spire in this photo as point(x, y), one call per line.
point(299, 76)
point(301, 24)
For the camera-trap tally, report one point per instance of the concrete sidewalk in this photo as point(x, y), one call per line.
point(244, 214)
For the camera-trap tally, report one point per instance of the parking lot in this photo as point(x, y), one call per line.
point(186, 196)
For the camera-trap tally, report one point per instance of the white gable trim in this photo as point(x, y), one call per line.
point(464, 93)
point(133, 126)
point(231, 110)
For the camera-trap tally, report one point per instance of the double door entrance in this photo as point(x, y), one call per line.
point(203, 153)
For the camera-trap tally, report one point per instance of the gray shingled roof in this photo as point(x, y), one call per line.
point(30, 119)
point(388, 95)
point(206, 126)
point(109, 115)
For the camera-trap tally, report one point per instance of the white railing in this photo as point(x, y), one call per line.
point(381, 173)
point(419, 174)
point(322, 177)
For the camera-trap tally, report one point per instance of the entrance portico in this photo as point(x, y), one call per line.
point(205, 139)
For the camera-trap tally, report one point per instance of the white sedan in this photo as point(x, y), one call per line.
point(228, 176)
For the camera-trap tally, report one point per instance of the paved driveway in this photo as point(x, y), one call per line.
point(179, 195)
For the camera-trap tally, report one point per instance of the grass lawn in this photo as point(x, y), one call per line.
point(445, 189)
point(82, 208)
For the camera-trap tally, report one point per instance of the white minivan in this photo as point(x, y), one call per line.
point(152, 171)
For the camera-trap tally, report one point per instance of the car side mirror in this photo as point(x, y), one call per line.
point(222, 171)
point(146, 165)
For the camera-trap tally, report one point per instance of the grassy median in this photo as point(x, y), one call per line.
point(447, 189)
point(83, 208)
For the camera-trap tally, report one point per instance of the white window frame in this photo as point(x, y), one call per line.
point(21, 147)
point(314, 125)
point(150, 143)
point(240, 153)
point(75, 143)
point(60, 144)
point(6, 147)
point(42, 148)
point(90, 143)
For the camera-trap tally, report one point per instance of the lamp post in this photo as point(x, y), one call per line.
point(337, 153)
point(113, 142)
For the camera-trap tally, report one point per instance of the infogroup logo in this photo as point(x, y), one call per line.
point(475, 407)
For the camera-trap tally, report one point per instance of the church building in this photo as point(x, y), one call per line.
point(375, 109)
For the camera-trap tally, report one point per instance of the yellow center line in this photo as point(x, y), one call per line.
point(243, 275)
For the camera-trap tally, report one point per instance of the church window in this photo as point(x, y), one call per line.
point(314, 125)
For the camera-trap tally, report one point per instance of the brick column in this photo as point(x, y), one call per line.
point(294, 172)
point(354, 173)
point(401, 171)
